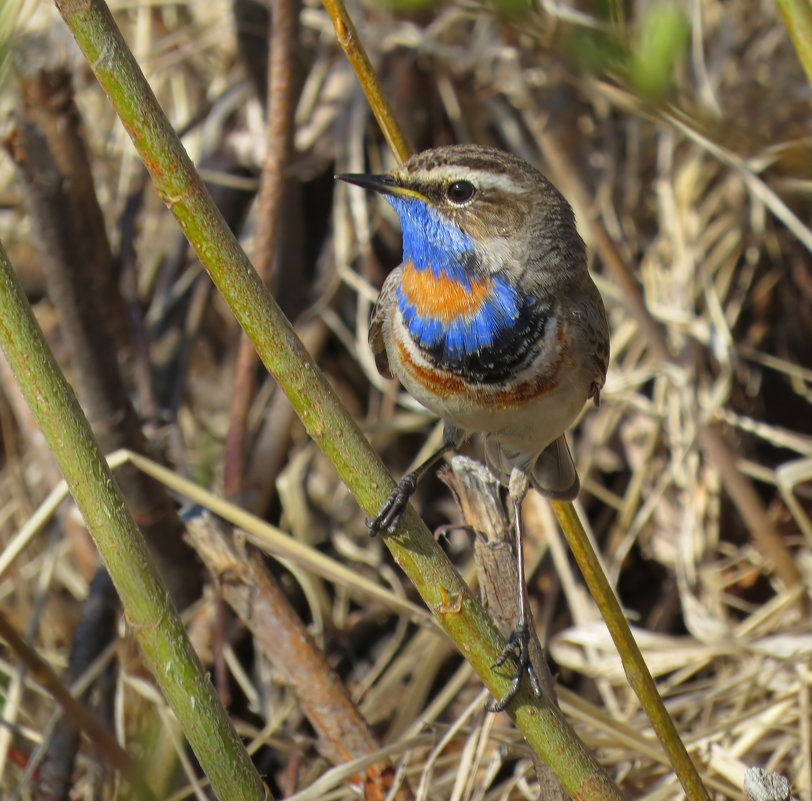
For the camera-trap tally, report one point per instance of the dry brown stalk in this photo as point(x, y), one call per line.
point(279, 110)
point(257, 599)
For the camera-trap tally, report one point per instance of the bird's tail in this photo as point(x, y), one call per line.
point(552, 472)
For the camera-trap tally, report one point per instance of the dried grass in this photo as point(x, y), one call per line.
point(706, 198)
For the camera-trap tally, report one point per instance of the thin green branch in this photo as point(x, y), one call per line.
point(637, 672)
point(356, 54)
point(150, 611)
point(797, 15)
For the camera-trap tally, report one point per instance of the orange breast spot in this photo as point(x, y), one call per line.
point(441, 297)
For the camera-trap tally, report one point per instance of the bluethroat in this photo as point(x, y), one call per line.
point(493, 323)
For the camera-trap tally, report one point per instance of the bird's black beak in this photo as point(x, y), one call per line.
point(382, 184)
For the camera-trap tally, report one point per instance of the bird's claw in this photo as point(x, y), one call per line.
point(389, 514)
point(517, 647)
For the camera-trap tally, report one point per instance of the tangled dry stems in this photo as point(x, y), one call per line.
point(706, 196)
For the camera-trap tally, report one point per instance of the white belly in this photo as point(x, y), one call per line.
point(526, 411)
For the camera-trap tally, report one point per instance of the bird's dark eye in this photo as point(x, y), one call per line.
point(460, 192)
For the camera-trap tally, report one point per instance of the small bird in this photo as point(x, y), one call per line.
point(492, 322)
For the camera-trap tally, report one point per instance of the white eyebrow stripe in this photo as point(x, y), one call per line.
point(481, 179)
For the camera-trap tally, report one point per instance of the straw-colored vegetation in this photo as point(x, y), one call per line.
point(681, 135)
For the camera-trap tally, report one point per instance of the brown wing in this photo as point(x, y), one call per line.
point(385, 306)
point(596, 338)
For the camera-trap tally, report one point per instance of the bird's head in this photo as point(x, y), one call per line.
point(479, 206)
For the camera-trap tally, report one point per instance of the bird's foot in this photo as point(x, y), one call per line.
point(517, 647)
point(388, 517)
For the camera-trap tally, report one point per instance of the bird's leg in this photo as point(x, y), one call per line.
point(518, 644)
point(393, 507)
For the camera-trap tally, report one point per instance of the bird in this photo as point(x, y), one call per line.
point(492, 322)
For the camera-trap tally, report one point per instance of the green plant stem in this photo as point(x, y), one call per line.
point(637, 672)
point(797, 15)
point(326, 420)
point(150, 611)
point(347, 37)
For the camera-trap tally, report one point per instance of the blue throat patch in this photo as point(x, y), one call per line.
point(429, 242)
point(485, 344)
